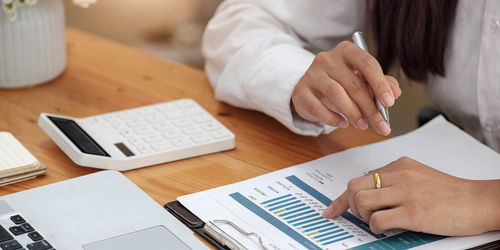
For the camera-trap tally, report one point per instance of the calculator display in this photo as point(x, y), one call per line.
point(78, 136)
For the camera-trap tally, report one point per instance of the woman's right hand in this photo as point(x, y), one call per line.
point(339, 81)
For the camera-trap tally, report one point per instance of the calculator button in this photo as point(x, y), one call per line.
point(189, 112)
point(171, 134)
point(111, 118)
point(143, 130)
point(135, 122)
point(154, 118)
point(166, 107)
point(174, 114)
point(126, 115)
point(126, 132)
point(180, 142)
point(119, 125)
point(202, 119)
point(146, 111)
point(185, 104)
point(162, 126)
point(211, 126)
point(182, 123)
point(152, 138)
point(200, 138)
point(161, 146)
point(134, 140)
point(191, 130)
point(144, 149)
point(220, 134)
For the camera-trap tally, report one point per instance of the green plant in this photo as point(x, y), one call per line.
point(11, 6)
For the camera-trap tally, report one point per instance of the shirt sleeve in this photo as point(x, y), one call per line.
point(256, 51)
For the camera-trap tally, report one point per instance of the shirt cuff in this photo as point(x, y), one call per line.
point(271, 83)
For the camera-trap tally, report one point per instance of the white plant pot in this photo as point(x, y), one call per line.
point(33, 47)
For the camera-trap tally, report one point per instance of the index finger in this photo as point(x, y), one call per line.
point(362, 61)
point(337, 207)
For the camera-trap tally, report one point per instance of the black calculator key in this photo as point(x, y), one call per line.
point(17, 219)
point(16, 230)
point(26, 227)
point(35, 236)
point(5, 235)
point(39, 245)
point(10, 245)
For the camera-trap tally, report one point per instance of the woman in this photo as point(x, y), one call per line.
point(289, 59)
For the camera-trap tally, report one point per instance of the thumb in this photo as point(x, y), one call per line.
point(338, 206)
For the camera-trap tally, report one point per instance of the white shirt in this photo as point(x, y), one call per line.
point(257, 50)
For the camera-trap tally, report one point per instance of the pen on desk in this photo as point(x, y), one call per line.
point(359, 40)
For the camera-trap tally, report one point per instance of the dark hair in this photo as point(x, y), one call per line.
point(415, 33)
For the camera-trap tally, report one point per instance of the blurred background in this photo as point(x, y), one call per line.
point(172, 30)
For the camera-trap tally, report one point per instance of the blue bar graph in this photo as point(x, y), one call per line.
point(305, 225)
point(329, 233)
point(299, 214)
point(294, 211)
point(314, 224)
point(326, 229)
point(275, 199)
point(302, 218)
point(334, 236)
point(282, 201)
point(326, 201)
point(324, 225)
point(274, 221)
point(337, 240)
point(308, 221)
point(284, 205)
point(296, 206)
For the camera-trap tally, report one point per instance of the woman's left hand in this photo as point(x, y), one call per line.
point(416, 197)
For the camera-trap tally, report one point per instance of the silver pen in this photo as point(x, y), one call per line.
point(359, 40)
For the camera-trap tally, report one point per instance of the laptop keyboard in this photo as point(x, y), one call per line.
point(20, 229)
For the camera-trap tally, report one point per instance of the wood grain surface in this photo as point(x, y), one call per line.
point(104, 76)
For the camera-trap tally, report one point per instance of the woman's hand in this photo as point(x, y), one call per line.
point(419, 198)
point(335, 82)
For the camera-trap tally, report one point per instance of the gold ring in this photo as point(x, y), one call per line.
point(378, 184)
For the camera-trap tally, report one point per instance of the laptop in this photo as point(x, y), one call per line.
point(98, 211)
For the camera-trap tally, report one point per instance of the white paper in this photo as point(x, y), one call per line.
point(438, 144)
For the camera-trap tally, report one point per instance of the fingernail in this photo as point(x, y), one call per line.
point(388, 99)
point(362, 124)
point(383, 128)
point(343, 124)
point(328, 213)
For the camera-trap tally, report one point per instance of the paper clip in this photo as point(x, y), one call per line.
point(223, 238)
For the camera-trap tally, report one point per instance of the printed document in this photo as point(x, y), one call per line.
point(284, 207)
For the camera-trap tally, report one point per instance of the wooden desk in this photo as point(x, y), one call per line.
point(104, 76)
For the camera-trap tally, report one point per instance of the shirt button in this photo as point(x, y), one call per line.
point(494, 25)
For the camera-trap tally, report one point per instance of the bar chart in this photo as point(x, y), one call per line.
point(298, 215)
point(305, 219)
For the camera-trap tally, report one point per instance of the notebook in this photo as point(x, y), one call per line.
point(16, 162)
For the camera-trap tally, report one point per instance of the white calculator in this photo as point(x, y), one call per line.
point(138, 137)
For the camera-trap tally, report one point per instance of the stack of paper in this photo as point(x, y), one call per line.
point(16, 162)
